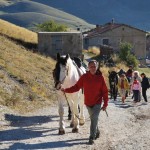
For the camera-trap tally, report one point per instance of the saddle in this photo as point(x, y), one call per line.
point(78, 61)
point(79, 65)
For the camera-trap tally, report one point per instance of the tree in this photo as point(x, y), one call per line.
point(51, 26)
point(124, 51)
point(126, 56)
point(132, 60)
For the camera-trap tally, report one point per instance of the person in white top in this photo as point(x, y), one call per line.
point(136, 75)
point(136, 88)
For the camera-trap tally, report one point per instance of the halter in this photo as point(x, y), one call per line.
point(58, 82)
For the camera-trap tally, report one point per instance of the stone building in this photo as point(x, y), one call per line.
point(112, 34)
point(148, 46)
point(50, 43)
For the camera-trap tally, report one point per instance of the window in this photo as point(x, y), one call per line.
point(105, 41)
point(86, 41)
point(57, 42)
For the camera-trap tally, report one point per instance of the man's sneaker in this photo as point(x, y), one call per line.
point(91, 141)
point(97, 135)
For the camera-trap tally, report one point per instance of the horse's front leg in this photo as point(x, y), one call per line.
point(75, 113)
point(81, 105)
point(70, 107)
point(61, 114)
point(116, 93)
point(111, 91)
point(69, 113)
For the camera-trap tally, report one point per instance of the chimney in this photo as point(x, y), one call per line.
point(98, 27)
point(112, 21)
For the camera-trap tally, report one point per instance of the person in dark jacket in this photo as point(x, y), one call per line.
point(145, 86)
point(129, 73)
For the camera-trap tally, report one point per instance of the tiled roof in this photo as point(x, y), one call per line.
point(106, 27)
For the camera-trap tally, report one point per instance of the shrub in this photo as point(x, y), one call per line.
point(94, 50)
point(51, 26)
point(131, 59)
point(126, 56)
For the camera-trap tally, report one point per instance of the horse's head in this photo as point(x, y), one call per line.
point(121, 71)
point(61, 70)
point(113, 77)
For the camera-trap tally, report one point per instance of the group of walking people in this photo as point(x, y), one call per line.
point(131, 82)
point(96, 92)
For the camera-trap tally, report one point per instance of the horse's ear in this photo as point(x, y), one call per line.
point(58, 56)
point(67, 56)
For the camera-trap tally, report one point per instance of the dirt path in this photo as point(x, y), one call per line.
point(126, 128)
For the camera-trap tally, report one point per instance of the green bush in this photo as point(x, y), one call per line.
point(124, 51)
point(126, 56)
point(131, 60)
point(51, 26)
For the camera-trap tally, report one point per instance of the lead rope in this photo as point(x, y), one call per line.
point(90, 115)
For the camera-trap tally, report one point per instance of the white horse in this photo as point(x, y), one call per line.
point(66, 74)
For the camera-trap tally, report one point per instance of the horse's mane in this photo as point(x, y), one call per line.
point(77, 61)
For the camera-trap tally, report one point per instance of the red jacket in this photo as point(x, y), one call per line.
point(95, 89)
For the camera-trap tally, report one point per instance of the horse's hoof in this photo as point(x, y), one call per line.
point(61, 132)
point(75, 130)
point(69, 117)
point(81, 123)
point(71, 125)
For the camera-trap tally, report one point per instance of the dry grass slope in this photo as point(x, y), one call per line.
point(17, 32)
point(25, 77)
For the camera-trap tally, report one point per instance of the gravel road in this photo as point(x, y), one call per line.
point(126, 128)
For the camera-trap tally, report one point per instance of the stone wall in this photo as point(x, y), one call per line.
point(50, 43)
point(137, 38)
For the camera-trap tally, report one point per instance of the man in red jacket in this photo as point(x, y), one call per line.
point(95, 91)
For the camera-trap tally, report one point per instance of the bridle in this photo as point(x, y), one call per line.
point(57, 82)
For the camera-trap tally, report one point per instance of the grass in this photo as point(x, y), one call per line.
point(29, 75)
point(26, 77)
point(17, 33)
point(145, 70)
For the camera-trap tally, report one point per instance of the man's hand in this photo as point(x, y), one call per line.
point(103, 108)
point(62, 89)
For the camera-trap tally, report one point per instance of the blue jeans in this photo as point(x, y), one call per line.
point(94, 114)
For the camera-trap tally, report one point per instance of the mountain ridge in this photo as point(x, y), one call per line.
point(84, 14)
point(99, 12)
point(17, 13)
